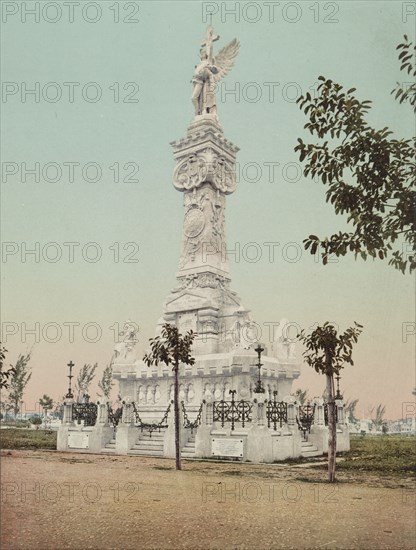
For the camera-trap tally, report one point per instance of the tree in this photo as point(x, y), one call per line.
point(378, 415)
point(407, 59)
point(172, 348)
point(58, 411)
point(5, 409)
point(4, 374)
point(46, 403)
point(350, 405)
point(327, 351)
point(370, 176)
point(106, 383)
point(84, 379)
point(301, 396)
point(18, 381)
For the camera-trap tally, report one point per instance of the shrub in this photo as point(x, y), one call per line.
point(36, 420)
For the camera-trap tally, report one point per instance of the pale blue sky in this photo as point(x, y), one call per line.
point(159, 53)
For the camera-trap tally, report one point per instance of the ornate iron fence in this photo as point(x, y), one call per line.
point(232, 411)
point(305, 418)
point(187, 423)
point(326, 414)
point(151, 427)
point(86, 412)
point(114, 416)
point(276, 412)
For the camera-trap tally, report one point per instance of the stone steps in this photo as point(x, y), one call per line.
point(139, 451)
point(149, 445)
point(156, 436)
point(110, 447)
point(188, 450)
point(308, 449)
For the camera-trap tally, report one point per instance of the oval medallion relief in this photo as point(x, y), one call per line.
point(194, 223)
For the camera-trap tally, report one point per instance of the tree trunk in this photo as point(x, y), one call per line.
point(177, 418)
point(332, 428)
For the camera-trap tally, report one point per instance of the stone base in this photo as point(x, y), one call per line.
point(62, 438)
point(98, 437)
point(259, 443)
point(343, 438)
point(211, 377)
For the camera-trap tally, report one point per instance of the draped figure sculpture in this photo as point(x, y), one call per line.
point(209, 71)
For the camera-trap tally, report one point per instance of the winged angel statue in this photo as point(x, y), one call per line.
point(209, 71)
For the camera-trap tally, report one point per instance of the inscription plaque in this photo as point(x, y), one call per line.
point(78, 440)
point(222, 446)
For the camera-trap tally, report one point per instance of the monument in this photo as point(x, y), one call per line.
point(203, 299)
point(236, 397)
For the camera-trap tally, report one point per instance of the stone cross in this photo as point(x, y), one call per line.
point(210, 38)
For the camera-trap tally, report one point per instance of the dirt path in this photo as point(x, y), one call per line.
point(57, 501)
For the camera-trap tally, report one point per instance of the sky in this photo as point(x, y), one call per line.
point(93, 95)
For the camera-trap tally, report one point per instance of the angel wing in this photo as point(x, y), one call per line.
point(224, 60)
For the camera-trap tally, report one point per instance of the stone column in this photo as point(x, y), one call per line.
point(103, 432)
point(203, 432)
point(291, 415)
point(343, 435)
point(319, 412)
point(259, 441)
point(66, 426)
point(294, 446)
point(209, 416)
point(68, 417)
point(169, 450)
point(102, 416)
point(126, 434)
point(127, 415)
point(341, 411)
point(260, 409)
point(319, 432)
point(204, 414)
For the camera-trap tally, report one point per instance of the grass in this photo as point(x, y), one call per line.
point(389, 454)
point(27, 439)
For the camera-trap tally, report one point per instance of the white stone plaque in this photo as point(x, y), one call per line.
point(222, 446)
point(78, 440)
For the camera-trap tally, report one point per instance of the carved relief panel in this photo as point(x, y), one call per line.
point(204, 228)
point(206, 165)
